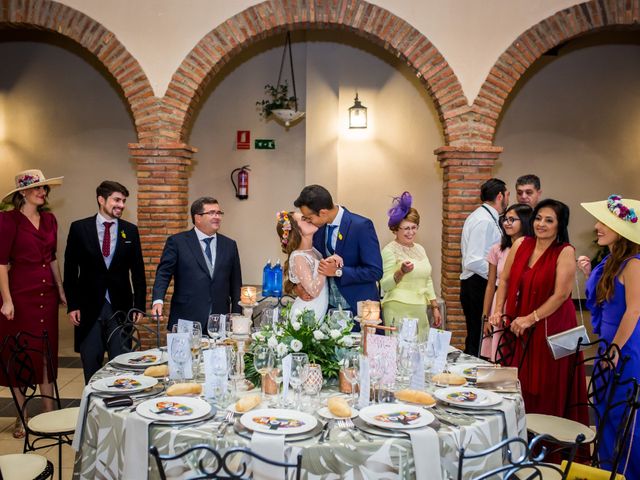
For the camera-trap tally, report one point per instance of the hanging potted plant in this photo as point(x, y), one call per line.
point(278, 102)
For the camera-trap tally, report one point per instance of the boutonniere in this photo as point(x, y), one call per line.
point(339, 236)
point(122, 234)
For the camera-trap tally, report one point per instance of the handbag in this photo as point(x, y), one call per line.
point(566, 343)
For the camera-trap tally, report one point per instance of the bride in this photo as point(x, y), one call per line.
point(301, 266)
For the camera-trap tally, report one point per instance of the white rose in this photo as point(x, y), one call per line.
point(258, 337)
point(272, 342)
point(318, 335)
point(296, 345)
point(334, 334)
point(347, 341)
point(296, 325)
point(282, 349)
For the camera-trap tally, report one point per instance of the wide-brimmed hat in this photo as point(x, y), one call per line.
point(30, 179)
point(620, 215)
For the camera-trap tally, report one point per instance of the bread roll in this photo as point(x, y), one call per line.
point(157, 371)
point(415, 396)
point(449, 379)
point(247, 403)
point(339, 407)
point(184, 389)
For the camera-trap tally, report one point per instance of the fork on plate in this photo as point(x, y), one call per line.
point(226, 421)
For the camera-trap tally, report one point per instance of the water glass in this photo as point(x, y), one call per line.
point(299, 361)
point(263, 358)
point(351, 371)
point(214, 325)
point(276, 375)
point(313, 382)
point(377, 366)
point(180, 351)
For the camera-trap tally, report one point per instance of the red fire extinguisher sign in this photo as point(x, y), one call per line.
point(243, 139)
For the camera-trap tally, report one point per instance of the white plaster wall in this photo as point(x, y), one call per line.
point(471, 34)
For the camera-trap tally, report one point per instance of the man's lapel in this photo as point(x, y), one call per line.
point(219, 256)
point(117, 237)
point(194, 245)
point(91, 232)
point(343, 231)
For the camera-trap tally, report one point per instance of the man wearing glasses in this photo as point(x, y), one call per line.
point(204, 265)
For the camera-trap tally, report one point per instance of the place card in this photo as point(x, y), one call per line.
point(215, 371)
point(185, 326)
point(408, 329)
point(179, 356)
point(437, 348)
point(286, 375)
point(383, 346)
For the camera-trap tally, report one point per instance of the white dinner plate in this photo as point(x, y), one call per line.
point(174, 409)
point(124, 383)
point(399, 416)
point(144, 359)
point(468, 397)
point(467, 370)
point(324, 412)
point(278, 421)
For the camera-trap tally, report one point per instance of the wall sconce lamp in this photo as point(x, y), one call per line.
point(357, 114)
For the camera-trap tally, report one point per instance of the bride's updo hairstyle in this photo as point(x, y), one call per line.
point(290, 237)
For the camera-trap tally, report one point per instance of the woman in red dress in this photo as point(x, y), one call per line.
point(30, 282)
point(535, 291)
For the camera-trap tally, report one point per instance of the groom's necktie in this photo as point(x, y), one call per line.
point(330, 229)
point(106, 239)
point(207, 248)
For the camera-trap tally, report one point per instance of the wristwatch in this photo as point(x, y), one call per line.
point(338, 272)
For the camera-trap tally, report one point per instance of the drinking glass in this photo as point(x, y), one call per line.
point(220, 371)
point(196, 346)
point(298, 374)
point(276, 374)
point(262, 362)
point(376, 370)
point(180, 354)
point(313, 382)
point(351, 370)
point(213, 326)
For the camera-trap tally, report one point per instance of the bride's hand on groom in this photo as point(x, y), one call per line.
point(302, 293)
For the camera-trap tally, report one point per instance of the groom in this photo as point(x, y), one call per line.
point(348, 235)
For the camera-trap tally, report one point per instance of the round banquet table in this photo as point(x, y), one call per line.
point(101, 437)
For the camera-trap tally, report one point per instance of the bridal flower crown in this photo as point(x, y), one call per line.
point(284, 220)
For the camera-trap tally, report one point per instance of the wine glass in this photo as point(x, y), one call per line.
point(220, 370)
point(276, 375)
point(351, 370)
point(196, 346)
point(262, 362)
point(213, 326)
point(299, 361)
point(180, 354)
point(376, 371)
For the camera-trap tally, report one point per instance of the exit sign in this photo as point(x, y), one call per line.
point(264, 144)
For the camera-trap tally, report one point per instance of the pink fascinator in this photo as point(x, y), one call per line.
point(399, 209)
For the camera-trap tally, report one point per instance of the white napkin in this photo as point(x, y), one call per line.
point(437, 348)
point(77, 436)
point(416, 379)
point(364, 380)
point(185, 326)
point(271, 447)
point(215, 362)
point(286, 375)
point(426, 453)
point(136, 447)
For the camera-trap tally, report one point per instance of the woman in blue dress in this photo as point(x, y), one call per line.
point(613, 296)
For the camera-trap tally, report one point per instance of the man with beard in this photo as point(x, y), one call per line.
point(103, 274)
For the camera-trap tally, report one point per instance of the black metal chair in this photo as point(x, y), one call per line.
point(25, 466)
point(45, 429)
point(129, 334)
point(529, 465)
point(506, 349)
point(211, 463)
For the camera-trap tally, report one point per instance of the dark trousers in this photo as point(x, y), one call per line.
point(97, 342)
point(472, 300)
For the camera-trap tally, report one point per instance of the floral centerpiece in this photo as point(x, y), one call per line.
point(323, 340)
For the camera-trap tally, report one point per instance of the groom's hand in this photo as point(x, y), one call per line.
point(327, 267)
point(302, 293)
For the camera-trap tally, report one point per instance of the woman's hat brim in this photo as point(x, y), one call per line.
point(624, 228)
point(52, 182)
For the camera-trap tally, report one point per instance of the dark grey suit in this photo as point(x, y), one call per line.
point(196, 293)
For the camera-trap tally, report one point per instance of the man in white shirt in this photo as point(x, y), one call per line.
point(205, 267)
point(480, 231)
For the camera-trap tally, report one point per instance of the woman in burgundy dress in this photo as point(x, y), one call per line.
point(535, 292)
point(30, 282)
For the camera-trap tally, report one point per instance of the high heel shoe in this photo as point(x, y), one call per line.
point(18, 429)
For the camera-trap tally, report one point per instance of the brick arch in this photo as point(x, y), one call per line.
point(564, 25)
point(91, 35)
point(272, 17)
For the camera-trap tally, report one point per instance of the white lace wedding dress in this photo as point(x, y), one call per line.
point(303, 270)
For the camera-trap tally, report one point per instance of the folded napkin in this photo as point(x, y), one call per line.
point(136, 447)
point(82, 416)
point(426, 452)
point(271, 447)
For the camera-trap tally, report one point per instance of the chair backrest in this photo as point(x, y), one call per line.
point(211, 463)
point(529, 465)
point(19, 356)
point(506, 348)
point(129, 334)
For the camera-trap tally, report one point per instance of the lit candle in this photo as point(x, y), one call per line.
point(240, 325)
point(248, 295)
point(370, 310)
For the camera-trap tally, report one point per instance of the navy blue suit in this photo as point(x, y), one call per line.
point(196, 294)
point(358, 246)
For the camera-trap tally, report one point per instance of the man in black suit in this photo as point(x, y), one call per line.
point(205, 267)
point(103, 274)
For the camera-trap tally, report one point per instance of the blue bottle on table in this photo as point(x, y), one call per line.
point(267, 289)
point(276, 286)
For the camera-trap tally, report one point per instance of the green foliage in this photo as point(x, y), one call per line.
point(278, 98)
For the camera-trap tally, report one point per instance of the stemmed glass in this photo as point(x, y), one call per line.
point(213, 326)
point(263, 362)
point(180, 354)
point(221, 371)
point(299, 361)
point(196, 345)
point(376, 371)
point(276, 375)
point(351, 370)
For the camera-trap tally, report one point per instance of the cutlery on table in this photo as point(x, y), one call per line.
point(342, 425)
point(226, 421)
point(325, 432)
point(350, 424)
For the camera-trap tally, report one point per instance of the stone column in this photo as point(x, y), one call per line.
point(465, 169)
point(163, 201)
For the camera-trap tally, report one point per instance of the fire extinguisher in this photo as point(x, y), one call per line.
point(242, 188)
